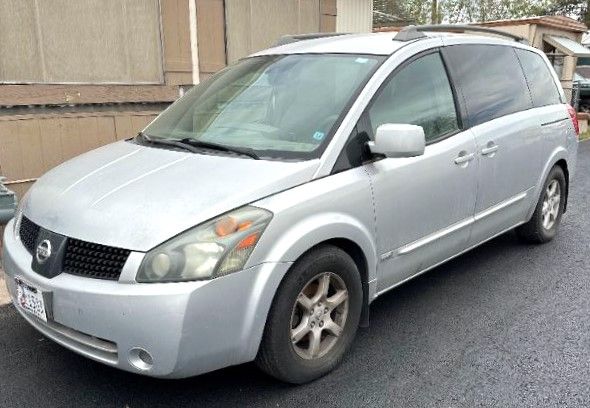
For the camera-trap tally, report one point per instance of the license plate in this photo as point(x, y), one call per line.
point(30, 299)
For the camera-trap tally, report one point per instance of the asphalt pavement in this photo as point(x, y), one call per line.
point(504, 325)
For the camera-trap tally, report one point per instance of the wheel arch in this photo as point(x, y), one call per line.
point(360, 259)
point(288, 242)
point(559, 157)
point(563, 164)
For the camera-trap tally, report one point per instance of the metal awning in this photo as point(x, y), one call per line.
point(567, 46)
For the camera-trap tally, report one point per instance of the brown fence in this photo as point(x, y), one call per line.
point(32, 144)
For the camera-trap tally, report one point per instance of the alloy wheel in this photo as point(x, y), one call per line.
point(319, 316)
point(551, 201)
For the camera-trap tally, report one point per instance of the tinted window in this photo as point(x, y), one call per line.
point(543, 89)
point(419, 94)
point(490, 80)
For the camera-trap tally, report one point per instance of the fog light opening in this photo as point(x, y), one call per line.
point(141, 359)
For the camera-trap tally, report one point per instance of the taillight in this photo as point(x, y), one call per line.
point(574, 117)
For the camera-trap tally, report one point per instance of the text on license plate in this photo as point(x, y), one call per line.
point(30, 299)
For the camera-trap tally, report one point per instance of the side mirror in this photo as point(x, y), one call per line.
point(396, 140)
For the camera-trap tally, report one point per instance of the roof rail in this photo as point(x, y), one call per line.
point(288, 39)
point(410, 33)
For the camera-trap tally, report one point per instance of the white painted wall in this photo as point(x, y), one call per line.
point(354, 16)
point(192, 11)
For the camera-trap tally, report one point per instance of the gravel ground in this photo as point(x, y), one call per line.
point(505, 325)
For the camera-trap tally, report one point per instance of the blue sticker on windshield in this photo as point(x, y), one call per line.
point(319, 136)
point(362, 60)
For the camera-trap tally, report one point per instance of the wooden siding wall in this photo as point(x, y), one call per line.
point(30, 145)
point(253, 25)
point(177, 44)
point(89, 41)
point(211, 36)
point(328, 16)
point(18, 95)
point(167, 30)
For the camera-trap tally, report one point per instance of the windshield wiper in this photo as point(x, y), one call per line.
point(194, 146)
point(168, 142)
point(223, 148)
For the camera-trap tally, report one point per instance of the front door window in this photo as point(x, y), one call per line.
point(419, 94)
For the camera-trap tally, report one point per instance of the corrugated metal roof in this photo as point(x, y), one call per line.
point(567, 46)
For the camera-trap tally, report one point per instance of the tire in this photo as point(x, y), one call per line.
point(279, 355)
point(536, 231)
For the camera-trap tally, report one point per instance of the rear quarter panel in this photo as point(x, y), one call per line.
point(559, 142)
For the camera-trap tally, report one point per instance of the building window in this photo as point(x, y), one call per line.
point(556, 60)
point(555, 57)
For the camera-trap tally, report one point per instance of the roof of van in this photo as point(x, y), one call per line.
point(370, 43)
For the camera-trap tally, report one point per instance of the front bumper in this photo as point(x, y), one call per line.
point(188, 328)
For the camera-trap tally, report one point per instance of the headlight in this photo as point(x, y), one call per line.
point(218, 247)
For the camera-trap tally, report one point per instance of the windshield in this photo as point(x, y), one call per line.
point(282, 106)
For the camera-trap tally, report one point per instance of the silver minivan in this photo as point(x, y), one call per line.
point(258, 217)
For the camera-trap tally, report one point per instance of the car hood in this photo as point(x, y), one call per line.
point(136, 197)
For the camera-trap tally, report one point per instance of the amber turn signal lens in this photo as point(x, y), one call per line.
point(226, 226)
point(249, 241)
point(245, 225)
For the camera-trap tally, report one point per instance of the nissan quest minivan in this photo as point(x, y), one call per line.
point(258, 217)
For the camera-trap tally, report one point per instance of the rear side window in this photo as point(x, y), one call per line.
point(544, 91)
point(490, 79)
point(418, 94)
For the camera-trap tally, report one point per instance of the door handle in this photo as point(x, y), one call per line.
point(491, 149)
point(464, 158)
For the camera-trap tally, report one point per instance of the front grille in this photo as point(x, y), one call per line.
point(94, 260)
point(80, 258)
point(28, 233)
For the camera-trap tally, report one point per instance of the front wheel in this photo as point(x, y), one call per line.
point(545, 221)
point(314, 317)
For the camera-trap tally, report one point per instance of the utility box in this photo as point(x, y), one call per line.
point(7, 203)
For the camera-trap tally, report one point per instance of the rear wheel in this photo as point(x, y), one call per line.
point(545, 221)
point(314, 317)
